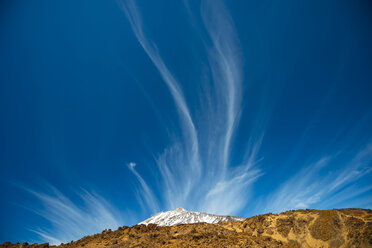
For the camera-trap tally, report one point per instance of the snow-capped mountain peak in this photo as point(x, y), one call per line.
point(182, 216)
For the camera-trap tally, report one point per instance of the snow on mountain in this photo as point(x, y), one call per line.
point(182, 216)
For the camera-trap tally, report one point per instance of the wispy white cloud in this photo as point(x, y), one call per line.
point(230, 196)
point(225, 63)
point(195, 180)
point(70, 221)
point(134, 17)
point(147, 193)
point(190, 145)
point(323, 184)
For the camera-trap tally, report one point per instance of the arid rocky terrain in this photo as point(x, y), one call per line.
point(300, 228)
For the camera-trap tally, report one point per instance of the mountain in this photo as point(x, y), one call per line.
point(300, 228)
point(182, 216)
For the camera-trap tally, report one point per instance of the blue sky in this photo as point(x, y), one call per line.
point(114, 110)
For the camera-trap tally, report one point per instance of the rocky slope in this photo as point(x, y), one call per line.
point(301, 228)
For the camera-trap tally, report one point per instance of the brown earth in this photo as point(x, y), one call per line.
point(300, 228)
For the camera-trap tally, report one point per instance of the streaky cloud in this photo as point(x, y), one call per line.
point(148, 195)
point(225, 65)
point(69, 220)
point(131, 12)
point(204, 181)
point(190, 137)
point(310, 188)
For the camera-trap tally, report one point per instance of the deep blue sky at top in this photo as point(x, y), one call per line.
point(80, 98)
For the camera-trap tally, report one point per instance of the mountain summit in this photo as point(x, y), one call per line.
point(182, 216)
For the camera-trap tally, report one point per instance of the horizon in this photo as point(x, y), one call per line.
point(113, 111)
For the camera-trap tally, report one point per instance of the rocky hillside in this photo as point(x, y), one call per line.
point(301, 228)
